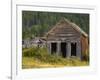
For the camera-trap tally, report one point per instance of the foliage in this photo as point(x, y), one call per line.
point(39, 57)
point(38, 23)
point(86, 55)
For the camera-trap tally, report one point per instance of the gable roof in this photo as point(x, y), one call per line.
point(76, 27)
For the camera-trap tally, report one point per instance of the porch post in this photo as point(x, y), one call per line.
point(68, 54)
point(49, 47)
point(58, 48)
point(78, 52)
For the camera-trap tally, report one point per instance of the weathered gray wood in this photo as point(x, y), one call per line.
point(65, 32)
point(62, 39)
point(58, 48)
point(49, 47)
point(68, 53)
point(78, 50)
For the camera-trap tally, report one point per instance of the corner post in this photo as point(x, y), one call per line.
point(49, 47)
point(78, 52)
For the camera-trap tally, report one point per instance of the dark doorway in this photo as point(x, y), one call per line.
point(63, 49)
point(53, 48)
point(73, 49)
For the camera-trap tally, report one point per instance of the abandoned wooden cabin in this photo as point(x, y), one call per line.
point(66, 39)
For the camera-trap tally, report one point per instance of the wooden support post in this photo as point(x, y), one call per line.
point(58, 48)
point(49, 47)
point(78, 50)
point(68, 54)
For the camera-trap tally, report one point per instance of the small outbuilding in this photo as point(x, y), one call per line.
point(66, 39)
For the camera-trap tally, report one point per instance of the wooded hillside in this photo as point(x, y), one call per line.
point(36, 24)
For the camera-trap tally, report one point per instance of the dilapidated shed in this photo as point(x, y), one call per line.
point(66, 39)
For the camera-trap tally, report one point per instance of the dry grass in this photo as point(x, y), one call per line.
point(31, 62)
point(40, 58)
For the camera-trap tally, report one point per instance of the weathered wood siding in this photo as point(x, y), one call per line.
point(63, 30)
point(69, 33)
point(85, 46)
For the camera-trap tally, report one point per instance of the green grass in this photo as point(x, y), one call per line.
point(40, 58)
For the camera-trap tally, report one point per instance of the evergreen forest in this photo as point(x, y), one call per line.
point(36, 23)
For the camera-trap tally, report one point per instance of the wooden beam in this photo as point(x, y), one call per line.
point(49, 47)
point(68, 52)
point(58, 48)
point(78, 50)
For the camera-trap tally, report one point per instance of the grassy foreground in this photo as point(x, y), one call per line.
point(40, 58)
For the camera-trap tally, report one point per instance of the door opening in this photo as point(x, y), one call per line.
point(63, 49)
point(73, 49)
point(53, 48)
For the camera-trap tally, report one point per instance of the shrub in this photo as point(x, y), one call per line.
point(86, 55)
point(29, 52)
point(34, 52)
point(41, 55)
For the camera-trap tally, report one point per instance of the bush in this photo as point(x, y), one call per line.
point(41, 55)
point(86, 55)
point(29, 52)
point(34, 52)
